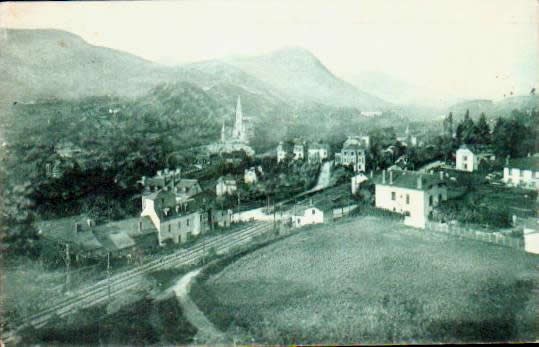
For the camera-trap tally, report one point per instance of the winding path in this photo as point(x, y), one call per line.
point(207, 332)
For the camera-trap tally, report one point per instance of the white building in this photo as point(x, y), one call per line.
point(466, 159)
point(356, 182)
point(282, 151)
point(364, 141)
point(410, 193)
point(522, 172)
point(299, 151)
point(225, 185)
point(307, 215)
point(249, 176)
point(317, 153)
point(352, 155)
point(171, 220)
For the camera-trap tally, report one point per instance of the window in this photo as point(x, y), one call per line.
point(179, 225)
point(168, 226)
point(393, 196)
point(521, 173)
point(187, 222)
point(465, 158)
point(313, 211)
point(465, 166)
point(439, 198)
point(407, 199)
point(430, 200)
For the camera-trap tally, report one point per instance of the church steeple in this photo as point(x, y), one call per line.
point(223, 136)
point(238, 128)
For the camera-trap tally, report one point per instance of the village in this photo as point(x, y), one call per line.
point(258, 173)
point(176, 207)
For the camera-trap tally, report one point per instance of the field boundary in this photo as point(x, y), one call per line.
point(488, 237)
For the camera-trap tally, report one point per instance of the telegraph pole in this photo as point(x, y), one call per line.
point(108, 272)
point(68, 268)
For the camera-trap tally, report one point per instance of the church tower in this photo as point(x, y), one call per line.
point(239, 131)
point(223, 135)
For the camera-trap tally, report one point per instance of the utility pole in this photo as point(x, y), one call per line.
point(68, 268)
point(108, 272)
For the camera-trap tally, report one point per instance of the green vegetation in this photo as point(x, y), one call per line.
point(373, 281)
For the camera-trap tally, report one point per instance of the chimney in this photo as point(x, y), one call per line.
point(384, 177)
point(372, 173)
point(140, 226)
point(78, 228)
point(90, 222)
point(441, 175)
point(507, 161)
point(143, 180)
point(420, 182)
point(391, 177)
point(159, 173)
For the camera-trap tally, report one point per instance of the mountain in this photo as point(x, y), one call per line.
point(297, 73)
point(499, 108)
point(399, 91)
point(51, 63)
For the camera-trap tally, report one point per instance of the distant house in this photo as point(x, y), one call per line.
point(467, 160)
point(362, 140)
point(222, 218)
point(282, 150)
point(410, 193)
point(186, 188)
point(298, 150)
point(249, 176)
point(172, 220)
point(371, 113)
point(522, 172)
point(307, 215)
point(171, 180)
point(352, 155)
point(469, 157)
point(357, 180)
point(226, 185)
point(317, 153)
point(84, 240)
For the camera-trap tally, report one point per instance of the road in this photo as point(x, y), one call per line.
point(206, 330)
point(120, 283)
point(258, 214)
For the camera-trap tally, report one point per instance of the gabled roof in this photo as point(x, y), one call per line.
point(528, 163)
point(63, 231)
point(408, 179)
point(353, 146)
point(300, 211)
point(318, 146)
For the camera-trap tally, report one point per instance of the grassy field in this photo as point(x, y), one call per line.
point(373, 281)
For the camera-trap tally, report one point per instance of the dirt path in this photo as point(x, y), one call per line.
point(207, 332)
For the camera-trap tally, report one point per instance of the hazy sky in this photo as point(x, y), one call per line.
point(474, 48)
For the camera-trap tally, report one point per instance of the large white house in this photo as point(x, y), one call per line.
point(172, 220)
point(317, 153)
point(522, 172)
point(469, 157)
point(410, 193)
point(307, 215)
point(226, 186)
point(352, 155)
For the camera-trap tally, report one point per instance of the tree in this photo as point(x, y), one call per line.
point(448, 125)
point(482, 130)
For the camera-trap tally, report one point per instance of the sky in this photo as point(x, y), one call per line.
point(473, 48)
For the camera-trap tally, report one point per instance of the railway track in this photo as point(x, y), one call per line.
point(119, 283)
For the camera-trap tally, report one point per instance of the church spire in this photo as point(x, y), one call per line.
point(223, 136)
point(238, 129)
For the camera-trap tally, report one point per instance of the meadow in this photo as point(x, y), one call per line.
point(373, 280)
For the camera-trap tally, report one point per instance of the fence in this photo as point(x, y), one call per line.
point(492, 237)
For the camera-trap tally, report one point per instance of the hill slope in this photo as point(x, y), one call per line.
point(300, 75)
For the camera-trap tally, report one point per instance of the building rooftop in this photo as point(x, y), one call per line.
point(527, 163)
point(408, 179)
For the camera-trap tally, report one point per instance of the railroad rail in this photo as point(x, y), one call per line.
point(119, 283)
